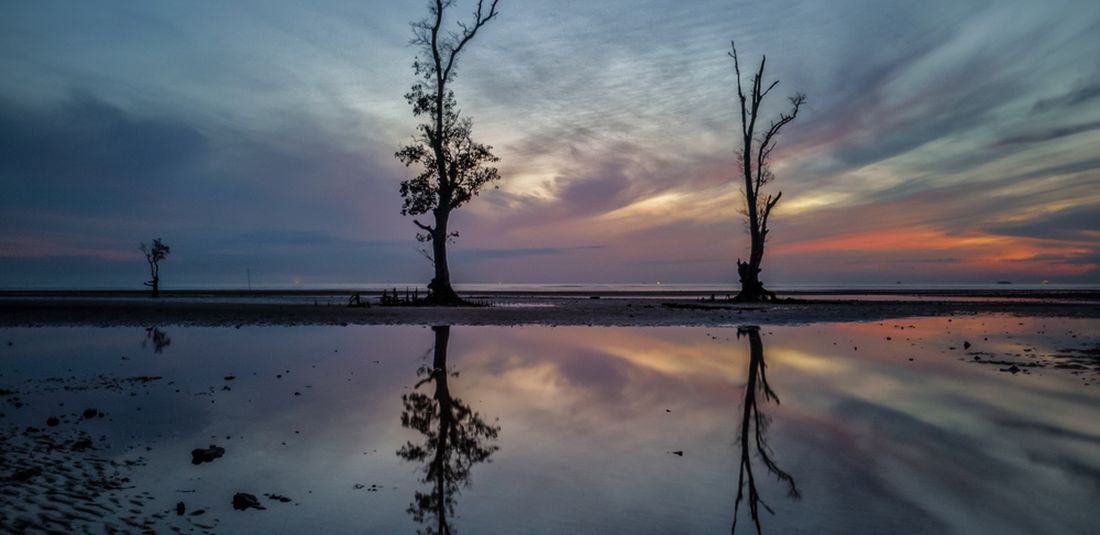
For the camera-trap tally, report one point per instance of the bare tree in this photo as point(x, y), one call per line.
point(455, 167)
point(753, 433)
point(154, 254)
point(756, 149)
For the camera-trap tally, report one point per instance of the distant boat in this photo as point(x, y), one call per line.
point(1045, 282)
point(1004, 282)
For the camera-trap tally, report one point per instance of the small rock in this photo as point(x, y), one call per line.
point(966, 345)
point(278, 498)
point(230, 377)
point(243, 501)
point(180, 509)
point(679, 453)
point(200, 455)
point(81, 445)
point(52, 421)
point(90, 413)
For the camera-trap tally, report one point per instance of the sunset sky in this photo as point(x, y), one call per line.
point(942, 142)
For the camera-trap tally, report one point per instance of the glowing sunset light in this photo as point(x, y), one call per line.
point(919, 150)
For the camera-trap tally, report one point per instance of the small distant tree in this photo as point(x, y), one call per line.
point(756, 149)
point(455, 167)
point(154, 254)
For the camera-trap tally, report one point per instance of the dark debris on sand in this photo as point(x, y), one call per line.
point(206, 455)
point(243, 501)
point(60, 479)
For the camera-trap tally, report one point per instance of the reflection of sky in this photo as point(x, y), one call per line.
point(253, 135)
point(589, 417)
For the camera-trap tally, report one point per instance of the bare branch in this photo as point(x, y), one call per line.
point(740, 91)
point(423, 227)
point(769, 89)
point(468, 33)
point(767, 143)
point(424, 252)
point(768, 206)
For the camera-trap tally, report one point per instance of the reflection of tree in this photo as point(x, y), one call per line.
point(455, 440)
point(754, 424)
point(158, 337)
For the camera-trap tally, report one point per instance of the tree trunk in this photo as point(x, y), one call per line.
point(752, 290)
point(440, 290)
point(156, 286)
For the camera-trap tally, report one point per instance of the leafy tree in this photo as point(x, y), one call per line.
point(154, 254)
point(455, 439)
point(756, 149)
point(454, 166)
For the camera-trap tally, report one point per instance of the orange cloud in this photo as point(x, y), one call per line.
point(975, 251)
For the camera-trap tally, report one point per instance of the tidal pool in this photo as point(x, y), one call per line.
point(981, 424)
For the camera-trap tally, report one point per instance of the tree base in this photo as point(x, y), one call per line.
point(752, 290)
point(756, 295)
point(442, 294)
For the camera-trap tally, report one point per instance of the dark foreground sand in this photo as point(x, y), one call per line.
point(123, 309)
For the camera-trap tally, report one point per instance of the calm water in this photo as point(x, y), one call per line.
point(887, 427)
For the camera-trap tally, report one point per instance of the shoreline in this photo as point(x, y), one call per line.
point(40, 309)
point(1005, 293)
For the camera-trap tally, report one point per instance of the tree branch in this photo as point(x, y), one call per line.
point(768, 205)
point(468, 33)
point(767, 143)
point(424, 227)
point(740, 91)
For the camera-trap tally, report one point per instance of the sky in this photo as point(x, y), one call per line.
point(942, 141)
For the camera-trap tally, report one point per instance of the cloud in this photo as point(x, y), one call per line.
point(483, 254)
point(87, 156)
point(1084, 92)
point(1049, 134)
point(1077, 223)
point(268, 139)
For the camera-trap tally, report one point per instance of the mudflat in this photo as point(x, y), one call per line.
point(609, 309)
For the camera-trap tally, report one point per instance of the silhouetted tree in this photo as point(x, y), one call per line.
point(753, 432)
point(455, 167)
point(756, 148)
point(455, 439)
point(154, 254)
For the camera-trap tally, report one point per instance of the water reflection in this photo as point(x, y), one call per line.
point(753, 433)
point(157, 337)
point(455, 439)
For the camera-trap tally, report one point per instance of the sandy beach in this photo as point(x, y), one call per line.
point(608, 309)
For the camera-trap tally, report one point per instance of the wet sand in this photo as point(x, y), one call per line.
point(969, 424)
point(328, 308)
